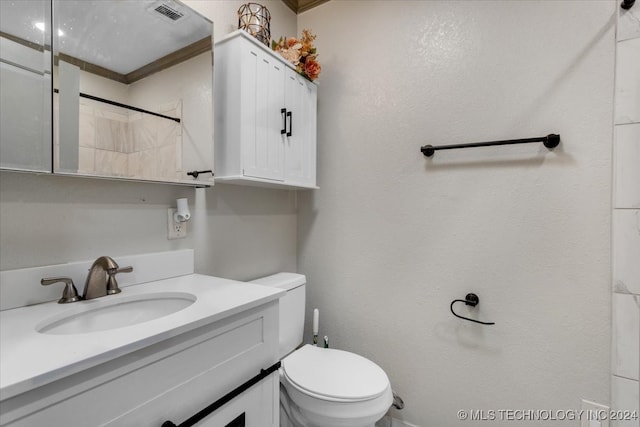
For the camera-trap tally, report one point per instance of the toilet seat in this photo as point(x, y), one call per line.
point(334, 375)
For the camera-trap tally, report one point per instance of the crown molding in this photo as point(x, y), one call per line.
point(299, 6)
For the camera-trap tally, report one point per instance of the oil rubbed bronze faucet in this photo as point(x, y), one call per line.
point(101, 280)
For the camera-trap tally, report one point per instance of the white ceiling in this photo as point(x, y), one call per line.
point(120, 35)
point(18, 18)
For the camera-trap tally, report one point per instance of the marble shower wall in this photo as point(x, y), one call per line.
point(118, 142)
point(625, 354)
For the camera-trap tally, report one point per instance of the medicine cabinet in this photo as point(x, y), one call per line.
point(129, 87)
point(25, 85)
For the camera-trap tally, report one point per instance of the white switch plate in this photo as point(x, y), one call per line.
point(175, 230)
point(590, 413)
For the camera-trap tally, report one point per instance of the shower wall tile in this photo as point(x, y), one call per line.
point(129, 143)
point(625, 396)
point(142, 164)
point(626, 336)
point(627, 98)
point(172, 108)
point(179, 155)
point(167, 161)
point(111, 163)
point(625, 348)
point(628, 23)
point(86, 160)
point(143, 132)
point(627, 166)
point(118, 114)
point(112, 135)
point(87, 124)
point(87, 129)
point(626, 251)
point(167, 132)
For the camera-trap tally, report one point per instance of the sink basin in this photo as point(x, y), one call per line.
point(113, 312)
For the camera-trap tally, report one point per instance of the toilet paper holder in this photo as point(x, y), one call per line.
point(472, 300)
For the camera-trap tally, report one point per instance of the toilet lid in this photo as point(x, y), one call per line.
point(334, 374)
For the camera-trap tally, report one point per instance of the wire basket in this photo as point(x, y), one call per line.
point(256, 20)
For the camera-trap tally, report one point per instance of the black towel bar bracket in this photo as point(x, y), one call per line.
point(195, 174)
point(550, 141)
point(627, 4)
point(472, 300)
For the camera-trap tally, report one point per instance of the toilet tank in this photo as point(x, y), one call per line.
point(292, 307)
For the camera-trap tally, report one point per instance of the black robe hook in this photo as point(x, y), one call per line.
point(472, 300)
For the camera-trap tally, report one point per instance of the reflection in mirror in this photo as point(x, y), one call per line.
point(133, 89)
point(25, 85)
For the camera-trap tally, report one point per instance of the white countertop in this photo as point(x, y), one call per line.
point(29, 359)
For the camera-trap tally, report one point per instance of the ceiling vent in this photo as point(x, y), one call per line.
point(168, 11)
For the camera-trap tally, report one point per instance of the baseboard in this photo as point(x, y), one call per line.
point(388, 421)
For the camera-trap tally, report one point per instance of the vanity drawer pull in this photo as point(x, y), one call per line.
point(196, 418)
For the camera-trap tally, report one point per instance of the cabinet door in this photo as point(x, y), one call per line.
point(25, 83)
point(257, 407)
point(300, 146)
point(262, 103)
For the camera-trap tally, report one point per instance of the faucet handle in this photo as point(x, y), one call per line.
point(70, 293)
point(112, 283)
point(122, 270)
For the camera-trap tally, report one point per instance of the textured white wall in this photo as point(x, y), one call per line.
point(237, 232)
point(391, 238)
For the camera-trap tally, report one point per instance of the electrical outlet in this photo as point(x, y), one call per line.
point(175, 230)
point(594, 414)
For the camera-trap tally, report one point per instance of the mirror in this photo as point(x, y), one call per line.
point(25, 84)
point(133, 90)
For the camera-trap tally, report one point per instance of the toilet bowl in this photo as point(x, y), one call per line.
point(333, 388)
point(322, 387)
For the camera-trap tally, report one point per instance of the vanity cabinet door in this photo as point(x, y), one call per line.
point(256, 407)
point(25, 86)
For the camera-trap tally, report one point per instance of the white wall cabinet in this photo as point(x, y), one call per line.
point(168, 381)
point(265, 117)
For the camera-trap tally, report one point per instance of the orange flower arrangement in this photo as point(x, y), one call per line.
point(300, 53)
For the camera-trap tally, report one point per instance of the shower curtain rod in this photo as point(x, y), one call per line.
point(550, 141)
point(128, 107)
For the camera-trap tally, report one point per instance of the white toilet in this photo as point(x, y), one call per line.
point(323, 387)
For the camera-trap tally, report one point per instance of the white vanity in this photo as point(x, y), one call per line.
point(77, 365)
